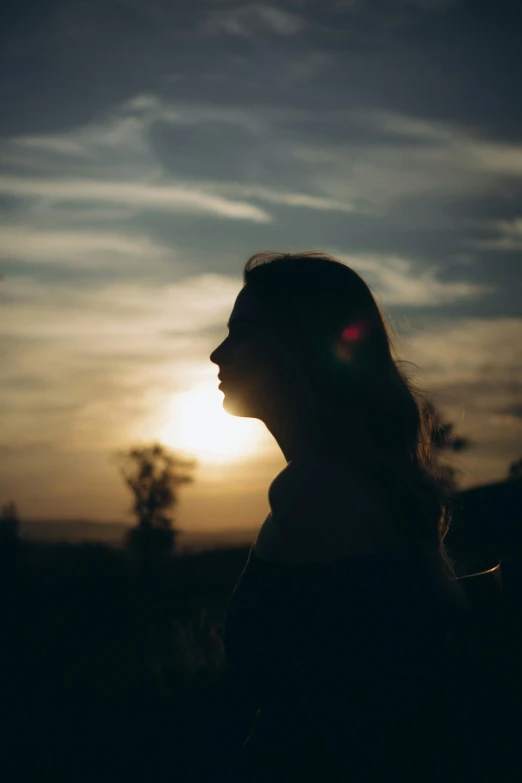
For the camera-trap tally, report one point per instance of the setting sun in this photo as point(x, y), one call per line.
point(197, 423)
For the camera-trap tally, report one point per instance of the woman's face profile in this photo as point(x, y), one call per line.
point(250, 367)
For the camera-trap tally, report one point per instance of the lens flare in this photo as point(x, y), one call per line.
point(352, 333)
point(349, 337)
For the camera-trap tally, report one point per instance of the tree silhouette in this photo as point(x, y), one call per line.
point(444, 439)
point(515, 471)
point(154, 475)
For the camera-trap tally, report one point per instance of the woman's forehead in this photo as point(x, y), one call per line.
point(249, 307)
point(246, 307)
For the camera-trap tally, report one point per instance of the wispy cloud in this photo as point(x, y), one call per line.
point(113, 354)
point(407, 157)
point(303, 200)
point(472, 367)
point(123, 132)
point(379, 159)
point(164, 198)
point(113, 162)
point(115, 310)
point(469, 350)
point(400, 281)
point(250, 18)
point(508, 236)
point(79, 250)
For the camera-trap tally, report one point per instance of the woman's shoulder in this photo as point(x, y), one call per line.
point(324, 509)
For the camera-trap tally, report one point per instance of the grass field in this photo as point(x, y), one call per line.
point(111, 670)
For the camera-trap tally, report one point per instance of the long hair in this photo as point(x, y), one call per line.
point(368, 410)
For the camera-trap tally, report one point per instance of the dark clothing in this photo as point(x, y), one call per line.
point(340, 670)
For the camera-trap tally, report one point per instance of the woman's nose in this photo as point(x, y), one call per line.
point(214, 356)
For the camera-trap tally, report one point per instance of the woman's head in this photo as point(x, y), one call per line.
point(308, 341)
point(309, 354)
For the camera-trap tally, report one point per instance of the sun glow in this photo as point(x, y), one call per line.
point(197, 424)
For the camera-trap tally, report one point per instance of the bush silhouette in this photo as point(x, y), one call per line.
point(444, 439)
point(515, 471)
point(9, 524)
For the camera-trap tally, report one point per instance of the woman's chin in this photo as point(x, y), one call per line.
point(235, 406)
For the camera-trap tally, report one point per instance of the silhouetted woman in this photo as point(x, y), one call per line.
point(336, 633)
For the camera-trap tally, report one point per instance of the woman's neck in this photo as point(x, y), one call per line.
point(307, 464)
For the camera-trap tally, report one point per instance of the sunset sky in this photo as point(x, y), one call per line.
point(149, 147)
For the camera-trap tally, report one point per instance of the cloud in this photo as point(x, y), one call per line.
point(137, 311)
point(509, 236)
point(451, 143)
point(114, 147)
point(88, 367)
point(304, 200)
point(470, 351)
point(156, 154)
point(253, 18)
point(400, 281)
point(163, 198)
point(123, 132)
point(79, 250)
point(405, 157)
point(472, 368)
point(126, 169)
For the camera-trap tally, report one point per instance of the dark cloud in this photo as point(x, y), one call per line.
point(512, 410)
point(223, 151)
point(75, 60)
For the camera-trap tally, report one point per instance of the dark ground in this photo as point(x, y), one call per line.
point(112, 670)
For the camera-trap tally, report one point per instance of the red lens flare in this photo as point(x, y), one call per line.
point(349, 337)
point(352, 333)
